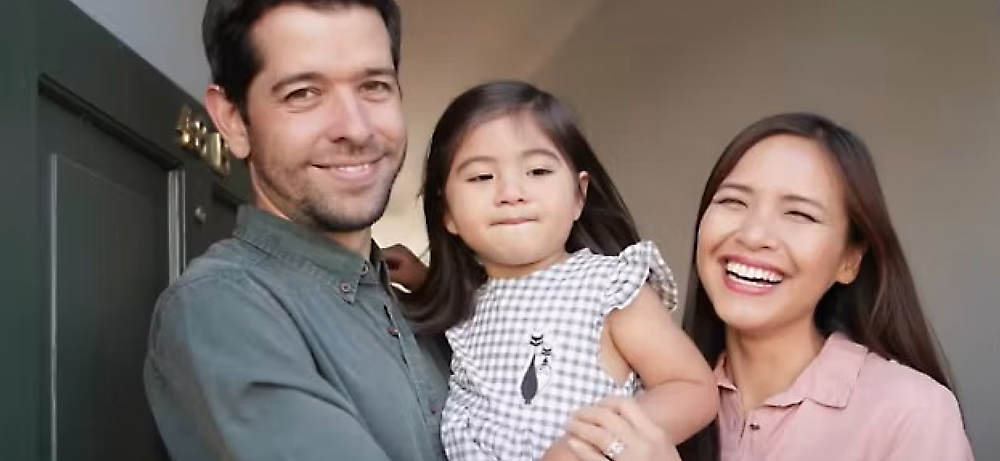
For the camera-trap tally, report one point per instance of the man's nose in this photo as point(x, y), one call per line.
point(349, 119)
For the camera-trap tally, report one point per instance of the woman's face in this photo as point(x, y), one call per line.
point(774, 238)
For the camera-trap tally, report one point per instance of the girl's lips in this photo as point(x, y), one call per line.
point(512, 221)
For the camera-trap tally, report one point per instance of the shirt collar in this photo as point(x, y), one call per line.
point(828, 380)
point(289, 241)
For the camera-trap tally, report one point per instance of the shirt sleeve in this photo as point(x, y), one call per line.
point(229, 376)
point(635, 266)
point(932, 432)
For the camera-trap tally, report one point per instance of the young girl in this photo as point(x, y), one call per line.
point(548, 300)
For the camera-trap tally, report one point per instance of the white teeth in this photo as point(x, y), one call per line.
point(355, 168)
point(755, 273)
point(753, 284)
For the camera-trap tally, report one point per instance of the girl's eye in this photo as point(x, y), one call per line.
point(802, 216)
point(539, 172)
point(481, 177)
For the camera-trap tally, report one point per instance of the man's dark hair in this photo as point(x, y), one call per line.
point(231, 55)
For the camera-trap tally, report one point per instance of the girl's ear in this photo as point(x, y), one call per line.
point(449, 223)
point(582, 182)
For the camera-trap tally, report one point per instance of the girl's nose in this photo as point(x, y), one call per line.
point(510, 190)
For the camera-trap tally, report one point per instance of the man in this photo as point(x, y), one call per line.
point(285, 341)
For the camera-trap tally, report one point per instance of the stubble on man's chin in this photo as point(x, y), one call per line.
point(330, 222)
point(324, 219)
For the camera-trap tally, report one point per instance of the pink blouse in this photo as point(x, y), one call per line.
point(847, 405)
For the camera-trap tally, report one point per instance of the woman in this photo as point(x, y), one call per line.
point(802, 297)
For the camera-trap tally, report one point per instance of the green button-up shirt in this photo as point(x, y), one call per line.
point(278, 344)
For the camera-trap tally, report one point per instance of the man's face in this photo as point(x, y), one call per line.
point(325, 134)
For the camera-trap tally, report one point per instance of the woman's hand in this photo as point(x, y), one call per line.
point(405, 268)
point(617, 429)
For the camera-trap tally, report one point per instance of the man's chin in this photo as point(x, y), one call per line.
point(342, 227)
point(339, 222)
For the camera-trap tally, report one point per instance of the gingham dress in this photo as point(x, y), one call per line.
point(528, 357)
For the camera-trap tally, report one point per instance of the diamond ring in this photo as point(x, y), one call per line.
point(615, 448)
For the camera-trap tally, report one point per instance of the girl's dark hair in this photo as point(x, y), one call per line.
point(605, 226)
point(879, 310)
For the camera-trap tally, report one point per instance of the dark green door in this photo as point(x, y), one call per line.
point(109, 237)
point(103, 208)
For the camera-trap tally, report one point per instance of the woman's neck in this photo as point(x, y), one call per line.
point(766, 365)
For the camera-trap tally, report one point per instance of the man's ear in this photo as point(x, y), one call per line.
point(228, 120)
point(582, 182)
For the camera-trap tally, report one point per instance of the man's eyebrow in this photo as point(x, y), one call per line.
point(380, 72)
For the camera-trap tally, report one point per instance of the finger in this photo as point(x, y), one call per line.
point(585, 451)
point(603, 428)
point(595, 435)
point(612, 402)
point(629, 410)
point(606, 417)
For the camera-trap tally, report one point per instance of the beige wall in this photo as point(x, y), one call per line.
point(662, 85)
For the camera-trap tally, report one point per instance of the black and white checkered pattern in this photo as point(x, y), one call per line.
point(487, 416)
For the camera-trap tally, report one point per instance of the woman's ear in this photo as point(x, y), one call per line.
point(850, 264)
point(228, 120)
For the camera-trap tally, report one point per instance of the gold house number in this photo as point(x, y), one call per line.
point(193, 136)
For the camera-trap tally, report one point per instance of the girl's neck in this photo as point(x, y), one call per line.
point(766, 365)
point(500, 271)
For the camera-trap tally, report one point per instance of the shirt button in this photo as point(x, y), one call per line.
point(392, 330)
point(364, 269)
point(433, 409)
point(345, 287)
point(754, 426)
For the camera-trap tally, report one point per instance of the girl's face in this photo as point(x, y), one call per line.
point(775, 238)
point(512, 197)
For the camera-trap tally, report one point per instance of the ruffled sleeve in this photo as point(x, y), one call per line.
point(634, 266)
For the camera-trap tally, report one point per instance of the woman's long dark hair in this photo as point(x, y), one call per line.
point(879, 310)
point(605, 225)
